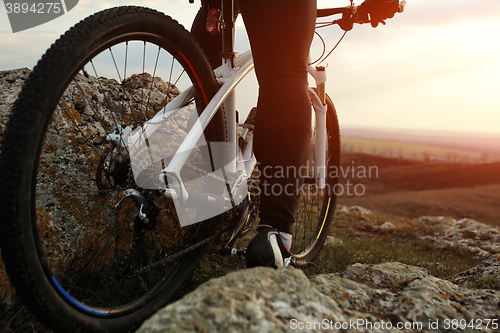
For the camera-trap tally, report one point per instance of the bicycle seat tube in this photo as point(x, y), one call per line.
point(227, 28)
point(228, 55)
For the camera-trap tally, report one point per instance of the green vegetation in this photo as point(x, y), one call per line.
point(486, 283)
point(361, 240)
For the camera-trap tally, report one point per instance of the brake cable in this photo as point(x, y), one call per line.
point(323, 25)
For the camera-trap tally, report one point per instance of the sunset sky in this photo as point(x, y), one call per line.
point(436, 66)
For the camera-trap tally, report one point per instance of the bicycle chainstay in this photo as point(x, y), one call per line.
point(180, 253)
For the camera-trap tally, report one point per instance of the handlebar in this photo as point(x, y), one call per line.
point(324, 12)
point(349, 14)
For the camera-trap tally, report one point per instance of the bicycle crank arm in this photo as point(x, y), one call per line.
point(226, 251)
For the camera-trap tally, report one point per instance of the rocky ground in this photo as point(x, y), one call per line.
point(364, 298)
point(11, 83)
point(62, 155)
point(480, 239)
point(361, 297)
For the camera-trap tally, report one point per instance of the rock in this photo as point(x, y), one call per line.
point(359, 209)
point(11, 83)
point(344, 210)
point(364, 298)
point(387, 225)
point(490, 268)
point(437, 221)
point(480, 239)
point(354, 209)
point(332, 241)
point(86, 114)
point(253, 300)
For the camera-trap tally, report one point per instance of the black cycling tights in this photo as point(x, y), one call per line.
point(280, 33)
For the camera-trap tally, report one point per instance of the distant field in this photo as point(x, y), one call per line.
point(415, 188)
point(415, 151)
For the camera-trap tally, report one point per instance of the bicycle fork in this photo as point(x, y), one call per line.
point(318, 99)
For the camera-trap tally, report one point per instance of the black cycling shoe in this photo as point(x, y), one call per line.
point(267, 249)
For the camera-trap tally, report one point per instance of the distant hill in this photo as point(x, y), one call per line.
point(485, 143)
point(415, 151)
point(414, 188)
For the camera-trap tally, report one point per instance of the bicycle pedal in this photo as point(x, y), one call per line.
point(233, 252)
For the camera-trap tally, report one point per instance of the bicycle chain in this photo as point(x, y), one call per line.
point(180, 253)
point(205, 173)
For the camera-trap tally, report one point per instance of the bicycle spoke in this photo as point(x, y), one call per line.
point(108, 102)
point(116, 66)
point(153, 79)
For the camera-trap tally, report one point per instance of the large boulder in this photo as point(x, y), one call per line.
point(480, 239)
point(363, 298)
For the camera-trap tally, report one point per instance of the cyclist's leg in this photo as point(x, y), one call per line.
point(280, 33)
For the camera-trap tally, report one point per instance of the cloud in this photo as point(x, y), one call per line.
point(24, 49)
point(430, 13)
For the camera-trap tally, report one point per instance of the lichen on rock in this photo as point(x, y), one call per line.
point(363, 297)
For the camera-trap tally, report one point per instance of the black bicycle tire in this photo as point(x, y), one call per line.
point(23, 139)
point(327, 212)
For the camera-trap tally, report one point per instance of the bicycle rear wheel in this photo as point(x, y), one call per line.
point(317, 207)
point(74, 237)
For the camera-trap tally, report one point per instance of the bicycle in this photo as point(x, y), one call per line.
point(104, 216)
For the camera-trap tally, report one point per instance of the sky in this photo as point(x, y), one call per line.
point(434, 67)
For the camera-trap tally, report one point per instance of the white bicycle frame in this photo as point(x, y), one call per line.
point(230, 74)
point(241, 164)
